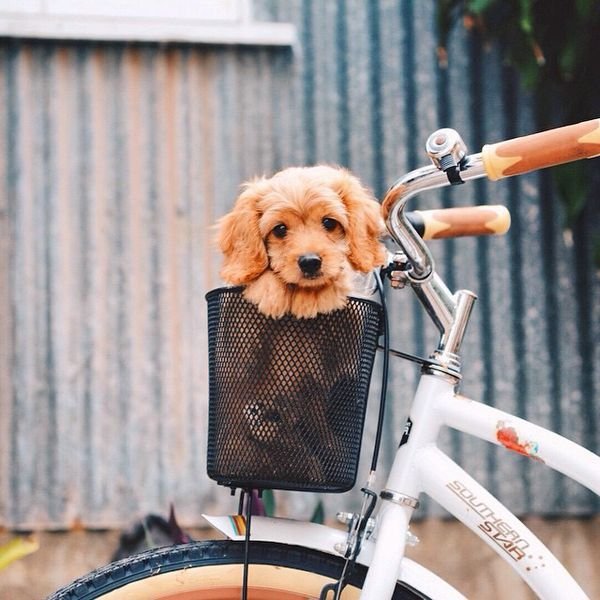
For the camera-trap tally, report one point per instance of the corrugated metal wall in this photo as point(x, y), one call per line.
point(114, 162)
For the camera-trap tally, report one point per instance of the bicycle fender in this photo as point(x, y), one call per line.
point(327, 539)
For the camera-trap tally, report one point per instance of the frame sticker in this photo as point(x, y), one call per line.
point(509, 438)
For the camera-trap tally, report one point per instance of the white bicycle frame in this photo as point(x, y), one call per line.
point(420, 466)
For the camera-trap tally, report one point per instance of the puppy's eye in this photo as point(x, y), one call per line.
point(329, 223)
point(279, 231)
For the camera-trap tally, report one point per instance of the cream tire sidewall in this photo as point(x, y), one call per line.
point(272, 579)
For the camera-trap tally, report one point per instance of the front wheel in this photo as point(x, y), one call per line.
point(212, 570)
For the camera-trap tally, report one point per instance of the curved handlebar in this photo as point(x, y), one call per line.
point(450, 312)
point(503, 159)
point(397, 223)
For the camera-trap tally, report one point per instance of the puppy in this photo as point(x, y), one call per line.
point(294, 240)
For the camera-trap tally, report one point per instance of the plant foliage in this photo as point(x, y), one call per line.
point(553, 45)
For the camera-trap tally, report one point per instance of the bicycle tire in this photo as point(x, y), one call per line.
point(211, 570)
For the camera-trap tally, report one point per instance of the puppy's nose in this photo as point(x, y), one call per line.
point(309, 264)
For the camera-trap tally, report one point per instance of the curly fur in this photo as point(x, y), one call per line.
point(320, 212)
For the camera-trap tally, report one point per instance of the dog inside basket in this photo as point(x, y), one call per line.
point(287, 397)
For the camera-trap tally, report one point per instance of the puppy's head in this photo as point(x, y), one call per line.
point(307, 224)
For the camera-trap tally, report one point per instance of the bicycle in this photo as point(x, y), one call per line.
point(284, 558)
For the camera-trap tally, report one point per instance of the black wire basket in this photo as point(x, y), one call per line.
point(287, 397)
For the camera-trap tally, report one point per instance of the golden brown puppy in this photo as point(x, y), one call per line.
point(294, 240)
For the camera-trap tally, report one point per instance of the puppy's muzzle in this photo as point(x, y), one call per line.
point(310, 264)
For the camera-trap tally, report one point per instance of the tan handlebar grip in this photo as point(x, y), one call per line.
point(459, 222)
point(540, 150)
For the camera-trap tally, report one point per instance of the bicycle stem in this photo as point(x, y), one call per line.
point(450, 312)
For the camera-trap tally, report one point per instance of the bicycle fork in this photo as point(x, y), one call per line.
point(403, 488)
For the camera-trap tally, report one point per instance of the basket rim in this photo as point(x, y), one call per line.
point(238, 289)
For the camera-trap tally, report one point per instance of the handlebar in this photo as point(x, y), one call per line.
point(451, 165)
point(461, 221)
point(541, 150)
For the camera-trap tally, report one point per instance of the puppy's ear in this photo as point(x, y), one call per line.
point(238, 237)
point(365, 223)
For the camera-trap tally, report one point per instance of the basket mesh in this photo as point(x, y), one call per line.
point(287, 397)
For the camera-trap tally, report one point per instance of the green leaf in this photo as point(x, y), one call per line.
point(318, 515)
point(479, 6)
point(530, 72)
point(268, 498)
point(526, 17)
point(571, 181)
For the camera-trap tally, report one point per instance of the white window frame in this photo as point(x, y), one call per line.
point(196, 21)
